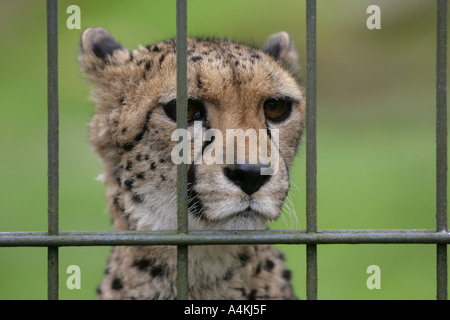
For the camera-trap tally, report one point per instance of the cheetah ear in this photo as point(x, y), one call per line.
point(98, 41)
point(281, 47)
point(98, 48)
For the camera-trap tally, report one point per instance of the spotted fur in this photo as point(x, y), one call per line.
point(132, 135)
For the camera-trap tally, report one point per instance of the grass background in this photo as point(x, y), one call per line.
point(375, 124)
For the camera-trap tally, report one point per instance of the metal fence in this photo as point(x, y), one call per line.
point(182, 237)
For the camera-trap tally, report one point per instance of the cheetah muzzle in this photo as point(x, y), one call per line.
point(230, 86)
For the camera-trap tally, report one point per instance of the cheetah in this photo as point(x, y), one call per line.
point(230, 85)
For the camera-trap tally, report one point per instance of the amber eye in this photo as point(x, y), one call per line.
point(277, 109)
point(196, 110)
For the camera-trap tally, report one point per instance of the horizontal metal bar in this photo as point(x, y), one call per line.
point(111, 238)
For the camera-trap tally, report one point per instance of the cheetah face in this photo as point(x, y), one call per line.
point(230, 87)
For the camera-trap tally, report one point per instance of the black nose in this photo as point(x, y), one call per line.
point(247, 176)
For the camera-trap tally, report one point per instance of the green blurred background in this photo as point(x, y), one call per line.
point(375, 124)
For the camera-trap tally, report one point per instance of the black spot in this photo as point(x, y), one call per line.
point(146, 157)
point(161, 59)
point(252, 295)
point(139, 157)
point(287, 274)
point(143, 264)
point(148, 65)
point(137, 197)
point(99, 291)
point(140, 175)
point(162, 160)
point(119, 182)
point(152, 166)
point(144, 128)
point(163, 178)
point(255, 56)
point(196, 58)
point(129, 165)
point(269, 265)
point(243, 258)
point(116, 284)
point(258, 269)
point(158, 271)
point(123, 130)
point(122, 100)
point(141, 134)
point(129, 183)
point(153, 48)
point(128, 146)
point(117, 204)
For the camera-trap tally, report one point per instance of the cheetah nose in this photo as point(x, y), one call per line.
point(247, 176)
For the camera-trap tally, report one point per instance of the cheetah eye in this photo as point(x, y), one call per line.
point(277, 110)
point(196, 110)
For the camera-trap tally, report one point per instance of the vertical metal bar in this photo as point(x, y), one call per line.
point(52, 144)
point(311, 150)
point(441, 272)
point(441, 146)
point(182, 198)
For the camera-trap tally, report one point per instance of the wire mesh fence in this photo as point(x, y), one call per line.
point(182, 237)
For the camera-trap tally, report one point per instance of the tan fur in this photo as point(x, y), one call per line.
point(132, 135)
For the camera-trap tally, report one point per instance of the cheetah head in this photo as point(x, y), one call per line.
point(230, 86)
